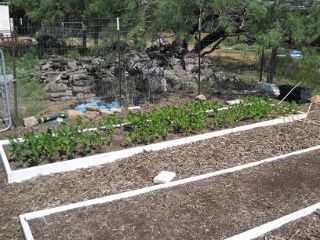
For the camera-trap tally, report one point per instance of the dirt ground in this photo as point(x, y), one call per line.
point(211, 209)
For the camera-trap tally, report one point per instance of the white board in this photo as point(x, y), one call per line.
point(5, 29)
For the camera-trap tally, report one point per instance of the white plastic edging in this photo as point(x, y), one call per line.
point(24, 218)
point(270, 226)
point(85, 162)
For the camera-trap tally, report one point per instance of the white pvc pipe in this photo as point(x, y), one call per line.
point(270, 226)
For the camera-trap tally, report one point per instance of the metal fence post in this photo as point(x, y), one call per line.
point(199, 56)
point(119, 59)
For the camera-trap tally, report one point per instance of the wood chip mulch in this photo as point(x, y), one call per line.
point(211, 209)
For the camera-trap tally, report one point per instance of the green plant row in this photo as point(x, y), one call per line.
point(62, 142)
point(191, 118)
point(146, 127)
point(143, 128)
point(251, 108)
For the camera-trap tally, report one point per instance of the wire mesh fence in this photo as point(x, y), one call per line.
point(99, 59)
point(92, 55)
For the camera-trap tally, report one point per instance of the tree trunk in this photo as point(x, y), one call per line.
point(272, 65)
point(261, 64)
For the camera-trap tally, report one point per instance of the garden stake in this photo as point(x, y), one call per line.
point(307, 113)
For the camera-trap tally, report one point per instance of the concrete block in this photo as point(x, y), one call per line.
point(164, 177)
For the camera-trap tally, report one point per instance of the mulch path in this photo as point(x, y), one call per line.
point(193, 159)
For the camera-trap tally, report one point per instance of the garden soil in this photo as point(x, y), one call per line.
point(214, 208)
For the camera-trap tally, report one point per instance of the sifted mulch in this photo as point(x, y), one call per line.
point(305, 228)
point(189, 160)
point(214, 208)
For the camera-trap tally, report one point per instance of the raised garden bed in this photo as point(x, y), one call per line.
point(144, 128)
point(64, 166)
point(229, 202)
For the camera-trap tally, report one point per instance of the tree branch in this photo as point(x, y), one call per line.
point(214, 47)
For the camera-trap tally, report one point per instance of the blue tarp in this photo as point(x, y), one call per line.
point(93, 102)
point(296, 53)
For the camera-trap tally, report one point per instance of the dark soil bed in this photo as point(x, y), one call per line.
point(193, 159)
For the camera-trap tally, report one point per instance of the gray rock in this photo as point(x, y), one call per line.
point(76, 89)
point(152, 80)
point(201, 97)
point(82, 83)
point(171, 78)
point(268, 88)
point(220, 77)
point(190, 67)
point(30, 121)
point(57, 87)
point(67, 93)
point(234, 79)
point(73, 65)
point(186, 87)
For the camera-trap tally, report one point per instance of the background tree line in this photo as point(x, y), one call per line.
point(271, 24)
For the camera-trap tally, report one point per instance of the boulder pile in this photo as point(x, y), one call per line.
point(164, 67)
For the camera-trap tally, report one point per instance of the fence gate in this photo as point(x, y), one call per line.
point(5, 116)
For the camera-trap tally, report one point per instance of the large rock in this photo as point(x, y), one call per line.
point(66, 94)
point(186, 87)
point(72, 65)
point(82, 96)
point(110, 111)
point(73, 114)
point(30, 121)
point(92, 108)
point(82, 83)
point(201, 97)
point(152, 80)
point(268, 88)
point(91, 114)
point(220, 77)
point(76, 89)
point(82, 75)
point(171, 78)
point(57, 87)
